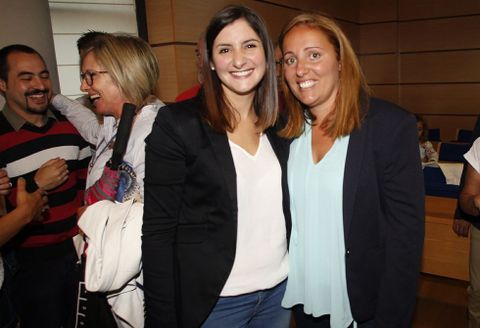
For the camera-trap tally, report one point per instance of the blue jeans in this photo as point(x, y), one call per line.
point(253, 310)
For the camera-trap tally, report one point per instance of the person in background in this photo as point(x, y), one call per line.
point(465, 223)
point(216, 217)
point(84, 43)
point(29, 207)
point(356, 187)
point(110, 84)
point(41, 146)
point(199, 55)
point(427, 152)
point(469, 201)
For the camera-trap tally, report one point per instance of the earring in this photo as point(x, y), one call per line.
point(212, 68)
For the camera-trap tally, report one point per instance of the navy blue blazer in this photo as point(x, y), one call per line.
point(383, 213)
point(190, 215)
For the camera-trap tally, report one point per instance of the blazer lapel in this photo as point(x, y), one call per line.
point(223, 155)
point(353, 165)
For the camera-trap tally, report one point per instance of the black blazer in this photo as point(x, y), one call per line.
point(190, 215)
point(383, 213)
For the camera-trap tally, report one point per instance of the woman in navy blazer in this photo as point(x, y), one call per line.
point(356, 187)
point(216, 215)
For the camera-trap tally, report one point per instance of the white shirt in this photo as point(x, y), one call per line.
point(261, 259)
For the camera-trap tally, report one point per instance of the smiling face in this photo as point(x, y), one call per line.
point(238, 57)
point(28, 89)
point(104, 93)
point(311, 67)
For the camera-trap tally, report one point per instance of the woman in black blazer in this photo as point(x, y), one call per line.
point(356, 188)
point(216, 214)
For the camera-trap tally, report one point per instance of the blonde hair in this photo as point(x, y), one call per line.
point(131, 63)
point(353, 90)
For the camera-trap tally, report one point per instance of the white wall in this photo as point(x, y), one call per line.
point(71, 18)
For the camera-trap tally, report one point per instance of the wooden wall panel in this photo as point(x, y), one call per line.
point(444, 34)
point(275, 17)
point(346, 10)
point(377, 11)
point(387, 92)
point(380, 69)
point(378, 38)
point(192, 17)
point(415, 9)
point(159, 21)
point(444, 253)
point(185, 66)
point(455, 66)
point(352, 32)
point(167, 87)
point(459, 99)
point(448, 124)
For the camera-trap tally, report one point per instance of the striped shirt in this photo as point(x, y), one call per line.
point(23, 149)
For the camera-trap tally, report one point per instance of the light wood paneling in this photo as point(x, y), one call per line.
point(444, 253)
point(448, 125)
point(378, 38)
point(380, 69)
point(455, 66)
point(377, 11)
point(167, 87)
point(159, 21)
point(444, 34)
point(414, 9)
point(442, 98)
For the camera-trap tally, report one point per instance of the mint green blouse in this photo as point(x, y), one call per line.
point(317, 277)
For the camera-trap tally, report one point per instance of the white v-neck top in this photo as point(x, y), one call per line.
point(261, 259)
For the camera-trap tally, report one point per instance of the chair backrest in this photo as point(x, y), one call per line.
point(452, 151)
point(464, 135)
point(434, 135)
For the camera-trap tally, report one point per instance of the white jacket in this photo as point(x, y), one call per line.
point(113, 265)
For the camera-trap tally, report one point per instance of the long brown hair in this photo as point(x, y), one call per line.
point(216, 109)
point(352, 93)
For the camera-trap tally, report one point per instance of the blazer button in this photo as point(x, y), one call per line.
point(347, 253)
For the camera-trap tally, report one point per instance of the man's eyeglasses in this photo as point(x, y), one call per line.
point(88, 76)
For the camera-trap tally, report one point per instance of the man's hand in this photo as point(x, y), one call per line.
point(31, 205)
point(461, 227)
point(52, 174)
point(5, 184)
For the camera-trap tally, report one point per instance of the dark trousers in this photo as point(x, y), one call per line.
point(93, 308)
point(42, 285)
point(303, 320)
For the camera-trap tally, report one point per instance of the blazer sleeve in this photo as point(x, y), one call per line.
point(165, 172)
point(403, 207)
